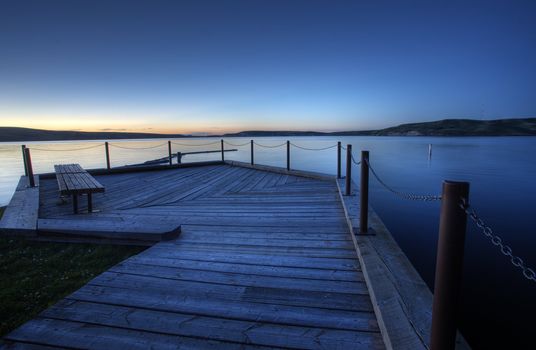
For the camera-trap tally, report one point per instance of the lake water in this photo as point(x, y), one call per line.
point(498, 304)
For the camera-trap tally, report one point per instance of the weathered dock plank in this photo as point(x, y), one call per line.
point(264, 260)
point(239, 331)
point(20, 216)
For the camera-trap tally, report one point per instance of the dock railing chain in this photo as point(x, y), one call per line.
point(355, 162)
point(66, 150)
point(138, 148)
point(267, 146)
point(528, 273)
point(313, 149)
point(195, 145)
point(237, 145)
point(410, 196)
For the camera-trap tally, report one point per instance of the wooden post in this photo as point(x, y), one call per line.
point(89, 203)
point(339, 160)
point(179, 157)
point(252, 153)
point(29, 165)
point(288, 155)
point(363, 191)
point(449, 265)
point(348, 170)
point(107, 148)
point(169, 153)
point(222, 152)
point(24, 160)
point(75, 203)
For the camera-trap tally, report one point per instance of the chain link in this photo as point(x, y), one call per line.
point(313, 149)
point(403, 195)
point(528, 273)
point(66, 150)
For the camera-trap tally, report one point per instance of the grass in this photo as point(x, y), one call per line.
point(35, 275)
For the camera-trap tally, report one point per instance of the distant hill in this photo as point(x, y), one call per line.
point(464, 127)
point(446, 127)
point(12, 134)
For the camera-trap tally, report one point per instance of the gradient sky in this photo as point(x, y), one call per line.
point(214, 66)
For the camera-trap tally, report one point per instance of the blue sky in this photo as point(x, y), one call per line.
point(218, 66)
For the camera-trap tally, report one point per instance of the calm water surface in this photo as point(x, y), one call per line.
point(498, 304)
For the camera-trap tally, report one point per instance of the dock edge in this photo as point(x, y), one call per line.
point(401, 299)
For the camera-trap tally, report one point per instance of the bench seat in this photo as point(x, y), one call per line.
point(74, 180)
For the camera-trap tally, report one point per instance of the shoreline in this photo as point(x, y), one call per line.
point(440, 128)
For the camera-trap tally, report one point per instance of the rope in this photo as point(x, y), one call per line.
point(265, 146)
point(195, 145)
point(66, 150)
point(401, 194)
point(234, 145)
point(313, 149)
point(151, 147)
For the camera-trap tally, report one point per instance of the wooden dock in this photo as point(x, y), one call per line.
point(266, 258)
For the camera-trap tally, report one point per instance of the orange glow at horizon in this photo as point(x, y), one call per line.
point(162, 123)
point(90, 124)
point(114, 124)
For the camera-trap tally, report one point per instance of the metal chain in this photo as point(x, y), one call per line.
point(410, 196)
point(67, 150)
point(235, 145)
point(353, 160)
point(313, 149)
point(195, 145)
point(151, 147)
point(265, 146)
point(497, 241)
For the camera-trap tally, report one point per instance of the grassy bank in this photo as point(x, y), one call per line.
point(35, 275)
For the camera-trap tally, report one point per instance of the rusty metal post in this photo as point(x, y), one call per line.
point(222, 151)
point(169, 153)
point(339, 160)
point(107, 148)
point(89, 203)
point(179, 157)
point(75, 203)
point(288, 155)
point(348, 170)
point(363, 191)
point(449, 265)
point(24, 160)
point(252, 153)
point(29, 165)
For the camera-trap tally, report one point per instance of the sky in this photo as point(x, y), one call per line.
point(222, 66)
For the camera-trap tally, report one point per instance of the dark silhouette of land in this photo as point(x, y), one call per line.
point(446, 127)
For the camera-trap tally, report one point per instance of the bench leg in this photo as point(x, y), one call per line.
point(75, 203)
point(89, 203)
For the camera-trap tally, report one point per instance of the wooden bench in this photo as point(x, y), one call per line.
point(74, 180)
